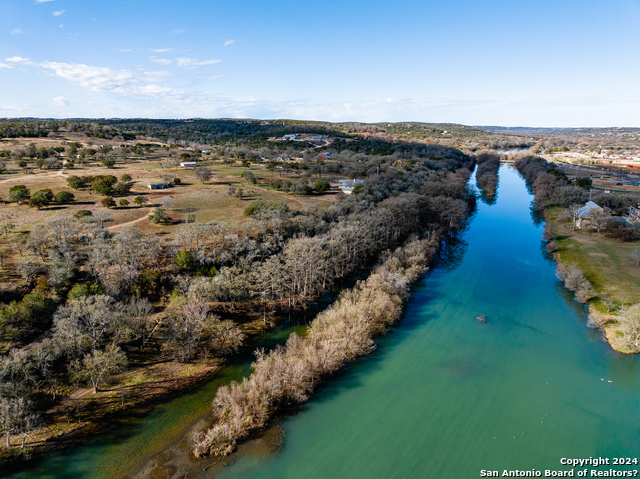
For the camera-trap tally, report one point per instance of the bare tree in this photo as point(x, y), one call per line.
point(43, 354)
point(225, 336)
point(88, 319)
point(14, 416)
point(98, 365)
point(203, 174)
point(186, 325)
point(631, 324)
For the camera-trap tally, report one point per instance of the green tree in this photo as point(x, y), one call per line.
point(124, 202)
point(108, 202)
point(103, 185)
point(321, 186)
point(19, 194)
point(41, 198)
point(121, 189)
point(584, 183)
point(82, 213)
point(75, 182)
point(125, 178)
point(64, 197)
point(184, 260)
point(159, 216)
point(84, 290)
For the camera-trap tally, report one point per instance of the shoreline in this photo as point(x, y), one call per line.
point(73, 434)
point(608, 323)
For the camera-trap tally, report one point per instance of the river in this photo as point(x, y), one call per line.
point(443, 396)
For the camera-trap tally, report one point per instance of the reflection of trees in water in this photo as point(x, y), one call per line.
point(488, 199)
point(450, 253)
point(537, 215)
point(544, 251)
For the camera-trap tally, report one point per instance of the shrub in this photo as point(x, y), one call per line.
point(321, 186)
point(159, 216)
point(184, 260)
point(82, 213)
point(41, 198)
point(261, 207)
point(84, 290)
point(108, 202)
point(75, 182)
point(19, 193)
point(121, 189)
point(64, 197)
point(139, 200)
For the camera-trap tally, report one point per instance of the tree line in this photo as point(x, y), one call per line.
point(88, 310)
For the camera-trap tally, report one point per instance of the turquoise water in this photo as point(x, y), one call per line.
point(445, 396)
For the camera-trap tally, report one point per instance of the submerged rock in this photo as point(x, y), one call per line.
point(482, 318)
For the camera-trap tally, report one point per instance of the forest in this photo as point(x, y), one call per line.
point(96, 304)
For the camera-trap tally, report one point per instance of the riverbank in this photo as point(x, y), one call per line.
point(340, 334)
point(129, 396)
point(598, 269)
point(606, 264)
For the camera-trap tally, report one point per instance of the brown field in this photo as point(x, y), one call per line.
point(209, 202)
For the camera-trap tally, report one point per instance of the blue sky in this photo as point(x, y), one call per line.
point(493, 62)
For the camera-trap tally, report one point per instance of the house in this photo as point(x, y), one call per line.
point(349, 183)
point(634, 214)
point(583, 217)
point(157, 186)
point(291, 136)
point(326, 155)
point(188, 164)
point(316, 137)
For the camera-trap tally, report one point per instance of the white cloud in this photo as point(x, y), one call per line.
point(4, 65)
point(178, 31)
point(190, 62)
point(57, 13)
point(211, 77)
point(16, 60)
point(157, 75)
point(161, 61)
point(160, 50)
point(43, 1)
point(229, 42)
point(61, 101)
point(118, 81)
point(16, 31)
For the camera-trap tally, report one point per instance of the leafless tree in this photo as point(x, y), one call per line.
point(203, 174)
point(89, 319)
point(98, 365)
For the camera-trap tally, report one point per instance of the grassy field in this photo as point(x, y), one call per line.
point(605, 262)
